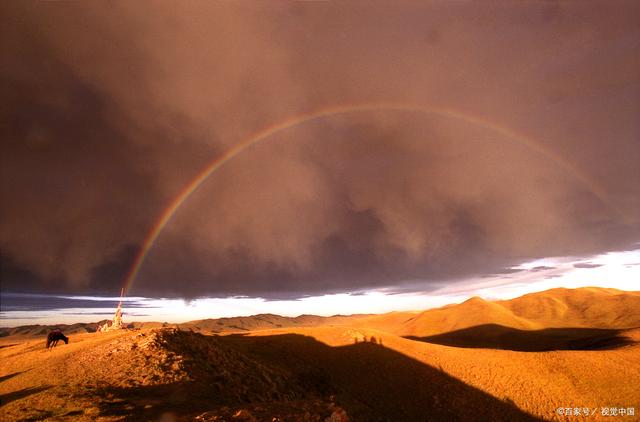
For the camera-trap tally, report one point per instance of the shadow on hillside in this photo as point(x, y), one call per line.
point(494, 336)
point(2, 346)
point(9, 376)
point(371, 382)
point(20, 394)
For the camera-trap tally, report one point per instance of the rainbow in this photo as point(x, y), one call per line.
point(293, 121)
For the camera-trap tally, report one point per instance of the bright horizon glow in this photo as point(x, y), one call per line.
point(619, 270)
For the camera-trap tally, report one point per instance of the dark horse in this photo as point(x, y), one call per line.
point(54, 337)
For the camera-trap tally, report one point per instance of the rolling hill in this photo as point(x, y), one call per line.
point(588, 307)
point(510, 360)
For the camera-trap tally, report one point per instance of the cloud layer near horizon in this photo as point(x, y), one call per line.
point(109, 110)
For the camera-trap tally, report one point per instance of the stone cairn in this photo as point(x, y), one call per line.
point(116, 324)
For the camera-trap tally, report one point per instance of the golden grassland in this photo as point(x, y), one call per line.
point(506, 360)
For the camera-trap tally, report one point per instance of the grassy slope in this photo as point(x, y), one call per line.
point(134, 373)
point(536, 382)
point(585, 307)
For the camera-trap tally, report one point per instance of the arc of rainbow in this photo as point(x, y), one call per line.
point(299, 119)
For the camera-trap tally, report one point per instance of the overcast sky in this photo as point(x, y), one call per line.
point(109, 109)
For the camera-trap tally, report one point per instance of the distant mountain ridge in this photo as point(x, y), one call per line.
point(42, 330)
point(587, 307)
point(264, 322)
point(211, 326)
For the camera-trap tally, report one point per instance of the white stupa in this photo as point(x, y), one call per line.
point(116, 324)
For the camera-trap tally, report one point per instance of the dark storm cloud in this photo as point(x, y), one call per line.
point(542, 268)
point(502, 273)
point(110, 109)
point(510, 271)
point(12, 302)
point(586, 265)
